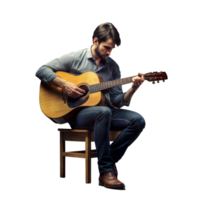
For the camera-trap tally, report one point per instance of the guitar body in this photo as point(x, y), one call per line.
point(51, 97)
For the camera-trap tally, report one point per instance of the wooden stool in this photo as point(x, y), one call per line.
point(80, 135)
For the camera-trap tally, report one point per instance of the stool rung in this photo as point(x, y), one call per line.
point(74, 154)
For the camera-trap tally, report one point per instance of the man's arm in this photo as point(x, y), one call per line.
point(59, 82)
point(137, 82)
point(46, 73)
point(128, 95)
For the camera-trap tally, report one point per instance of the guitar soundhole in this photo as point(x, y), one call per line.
point(84, 87)
point(74, 102)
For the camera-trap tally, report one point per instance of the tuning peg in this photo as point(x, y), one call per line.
point(158, 81)
point(153, 82)
point(163, 80)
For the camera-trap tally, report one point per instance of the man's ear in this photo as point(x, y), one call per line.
point(95, 41)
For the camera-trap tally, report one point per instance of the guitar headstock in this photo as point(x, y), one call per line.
point(155, 76)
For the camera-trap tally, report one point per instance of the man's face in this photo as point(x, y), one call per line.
point(104, 49)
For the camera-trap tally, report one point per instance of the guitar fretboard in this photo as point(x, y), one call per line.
point(109, 84)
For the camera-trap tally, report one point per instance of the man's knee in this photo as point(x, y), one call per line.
point(139, 121)
point(142, 122)
point(104, 111)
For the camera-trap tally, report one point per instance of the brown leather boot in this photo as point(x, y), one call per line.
point(109, 180)
point(114, 166)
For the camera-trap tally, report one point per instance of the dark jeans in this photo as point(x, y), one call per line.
point(102, 119)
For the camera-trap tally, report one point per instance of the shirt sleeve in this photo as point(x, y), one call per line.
point(116, 93)
point(47, 73)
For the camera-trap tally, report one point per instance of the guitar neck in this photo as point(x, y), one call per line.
point(110, 84)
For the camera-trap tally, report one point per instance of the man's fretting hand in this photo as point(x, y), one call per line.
point(137, 81)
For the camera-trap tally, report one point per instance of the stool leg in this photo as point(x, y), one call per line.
point(87, 148)
point(61, 155)
point(64, 163)
point(63, 159)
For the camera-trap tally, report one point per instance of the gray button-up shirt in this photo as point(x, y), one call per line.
point(83, 61)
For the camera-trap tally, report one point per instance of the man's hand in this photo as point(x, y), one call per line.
point(71, 90)
point(137, 81)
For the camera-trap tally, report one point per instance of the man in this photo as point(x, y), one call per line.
point(101, 118)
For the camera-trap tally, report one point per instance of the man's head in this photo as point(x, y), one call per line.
point(105, 38)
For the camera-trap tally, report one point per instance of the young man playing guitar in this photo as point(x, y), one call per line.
point(106, 117)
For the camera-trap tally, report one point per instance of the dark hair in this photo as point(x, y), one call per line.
point(105, 31)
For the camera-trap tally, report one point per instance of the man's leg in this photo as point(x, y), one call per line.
point(131, 124)
point(99, 119)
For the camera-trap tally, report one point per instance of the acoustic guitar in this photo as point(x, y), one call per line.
point(51, 97)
